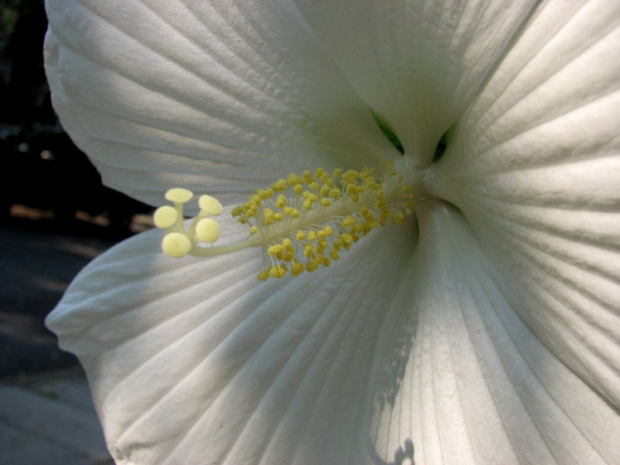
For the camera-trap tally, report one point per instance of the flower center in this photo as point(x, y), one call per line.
point(301, 222)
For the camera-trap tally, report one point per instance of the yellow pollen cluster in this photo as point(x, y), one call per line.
point(305, 222)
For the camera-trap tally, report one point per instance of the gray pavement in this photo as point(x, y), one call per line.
point(49, 419)
point(46, 414)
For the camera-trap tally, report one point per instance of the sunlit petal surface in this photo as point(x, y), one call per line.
point(535, 168)
point(190, 361)
point(461, 377)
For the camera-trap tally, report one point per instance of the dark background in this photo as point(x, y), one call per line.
point(55, 215)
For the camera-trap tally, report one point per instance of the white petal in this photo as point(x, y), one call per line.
point(465, 381)
point(535, 167)
point(216, 95)
point(195, 361)
point(417, 64)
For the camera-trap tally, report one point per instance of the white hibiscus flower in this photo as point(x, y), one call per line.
point(483, 329)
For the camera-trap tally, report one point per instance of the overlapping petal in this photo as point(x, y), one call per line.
point(417, 64)
point(190, 361)
point(534, 166)
point(223, 94)
point(466, 380)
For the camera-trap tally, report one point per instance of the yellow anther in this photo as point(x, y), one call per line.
point(176, 245)
point(309, 250)
point(275, 249)
point(347, 238)
point(312, 265)
point(293, 180)
point(350, 177)
point(297, 268)
point(292, 212)
point(277, 272)
point(165, 217)
point(179, 195)
point(210, 205)
point(353, 191)
point(237, 211)
point(251, 211)
point(279, 185)
point(265, 194)
point(255, 199)
point(268, 216)
point(327, 180)
point(281, 201)
point(307, 177)
point(207, 230)
point(348, 221)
